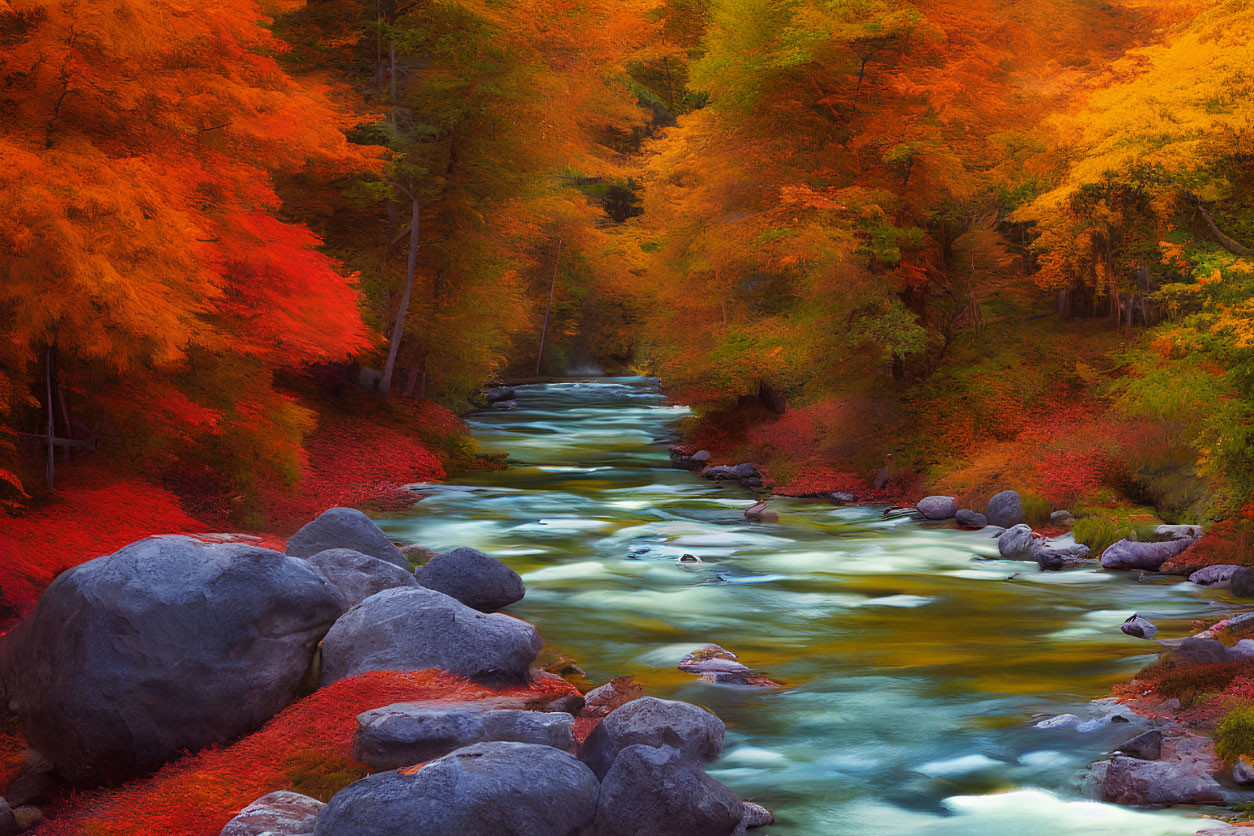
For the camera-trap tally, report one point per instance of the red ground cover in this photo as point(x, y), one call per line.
point(351, 461)
point(95, 513)
point(1230, 541)
point(306, 748)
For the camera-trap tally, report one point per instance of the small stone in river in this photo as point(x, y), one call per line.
point(842, 496)
point(756, 815)
point(1147, 746)
point(970, 519)
point(1243, 772)
point(759, 513)
point(690, 558)
point(1141, 628)
point(716, 664)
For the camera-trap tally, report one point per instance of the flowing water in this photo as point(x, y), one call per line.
point(916, 666)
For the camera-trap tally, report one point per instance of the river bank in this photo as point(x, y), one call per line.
point(919, 669)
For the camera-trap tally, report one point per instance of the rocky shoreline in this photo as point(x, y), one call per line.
point(178, 643)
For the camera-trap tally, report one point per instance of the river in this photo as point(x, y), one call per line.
point(915, 663)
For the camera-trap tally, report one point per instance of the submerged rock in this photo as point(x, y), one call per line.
point(167, 645)
point(500, 393)
point(715, 664)
point(358, 576)
point(1005, 509)
point(474, 578)
point(281, 813)
point(521, 789)
point(937, 507)
point(345, 528)
point(659, 791)
point(1138, 627)
point(416, 628)
point(759, 513)
point(1129, 554)
point(403, 734)
point(694, 731)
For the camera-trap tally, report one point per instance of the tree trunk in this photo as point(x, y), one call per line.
point(52, 466)
point(548, 310)
point(398, 327)
point(1234, 247)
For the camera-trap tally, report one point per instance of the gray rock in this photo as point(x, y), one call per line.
point(1178, 532)
point(8, 822)
point(1241, 582)
point(759, 513)
point(718, 472)
point(281, 813)
point(1141, 628)
point(508, 406)
point(1243, 771)
point(937, 507)
point(701, 456)
point(1147, 746)
point(403, 734)
point(500, 393)
point(358, 576)
point(695, 732)
point(660, 792)
point(168, 645)
point(470, 576)
point(1129, 554)
point(1218, 575)
point(1184, 775)
point(1201, 651)
point(1016, 543)
point(345, 528)
point(412, 629)
point(755, 815)
point(1060, 553)
point(971, 519)
point(1061, 518)
point(519, 789)
point(842, 496)
point(570, 704)
point(1005, 509)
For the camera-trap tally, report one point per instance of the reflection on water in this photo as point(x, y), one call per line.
point(914, 660)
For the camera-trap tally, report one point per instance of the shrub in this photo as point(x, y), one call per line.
point(1097, 533)
point(1235, 734)
point(1036, 509)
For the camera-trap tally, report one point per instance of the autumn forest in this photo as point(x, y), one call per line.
point(259, 258)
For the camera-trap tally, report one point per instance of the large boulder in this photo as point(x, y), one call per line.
point(411, 629)
point(1241, 582)
point(520, 789)
point(168, 645)
point(660, 792)
point(696, 733)
point(1183, 775)
point(358, 575)
point(1129, 554)
point(470, 576)
point(282, 813)
point(345, 528)
point(1005, 509)
point(403, 734)
point(1060, 553)
point(937, 507)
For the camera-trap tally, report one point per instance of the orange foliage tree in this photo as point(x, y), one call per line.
point(142, 246)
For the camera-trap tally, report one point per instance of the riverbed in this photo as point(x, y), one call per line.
point(917, 667)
